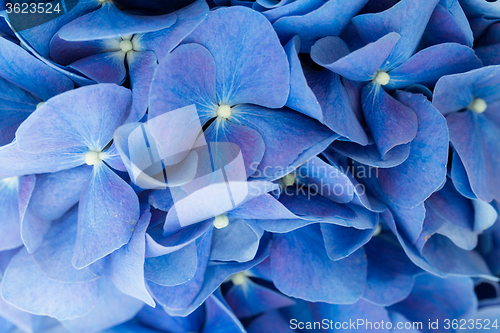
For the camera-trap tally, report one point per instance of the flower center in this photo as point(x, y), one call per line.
point(238, 278)
point(478, 105)
point(289, 179)
point(40, 104)
point(94, 157)
point(126, 45)
point(224, 111)
point(377, 231)
point(221, 221)
point(11, 182)
point(382, 78)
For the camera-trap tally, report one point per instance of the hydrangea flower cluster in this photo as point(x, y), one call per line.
point(250, 166)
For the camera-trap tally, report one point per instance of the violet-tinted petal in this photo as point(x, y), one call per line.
point(301, 97)
point(141, 66)
point(218, 318)
point(300, 256)
point(107, 214)
point(103, 67)
point(26, 286)
point(430, 64)
point(337, 106)
point(29, 73)
point(425, 168)
point(390, 273)
point(112, 308)
point(434, 298)
point(178, 82)
point(249, 299)
point(162, 42)
point(10, 228)
point(174, 268)
point(280, 133)
point(53, 256)
point(340, 242)
point(181, 296)
point(253, 69)
point(400, 19)
point(370, 154)
point(84, 117)
point(318, 23)
point(360, 65)
point(391, 122)
point(126, 265)
point(109, 21)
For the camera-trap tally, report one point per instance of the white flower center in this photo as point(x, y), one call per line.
point(10, 182)
point(224, 111)
point(94, 157)
point(126, 45)
point(221, 221)
point(382, 78)
point(238, 279)
point(289, 179)
point(40, 104)
point(377, 231)
point(478, 105)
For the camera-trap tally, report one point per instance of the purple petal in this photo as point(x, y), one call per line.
point(103, 67)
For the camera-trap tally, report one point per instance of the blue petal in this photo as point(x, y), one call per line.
point(159, 320)
point(272, 321)
point(370, 154)
point(339, 110)
point(218, 318)
point(239, 241)
point(10, 228)
point(360, 65)
point(425, 168)
point(29, 73)
point(112, 308)
point(53, 195)
point(301, 97)
point(216, 273)
point(280, 132)
point(300, 256)
point(430, 64)
point(141, 68)
point(14, 162)
point(178, 82)
point(26, 286)
point(434, 298)
point(85, 117)
point(253, 69)
point(448, 23)
point(400, 19)
point(390, 272)
point(99, 232)
point(53, 256)
point(162, 42)
point(250, 299)
point(341, 242)
point(126, 265)
point(174, 268)
point(181, 296)
point(318, 23)
point(103, 68)
point(391, 122)
point(108, 22)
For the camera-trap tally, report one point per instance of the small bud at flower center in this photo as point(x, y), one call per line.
point(238, 279)
point(224, 111)
point(126, 45)
point(93, 157)
point(40, 104)
point(382, 78)
point(221, 221)
point(289, 179)
point(478, 105)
